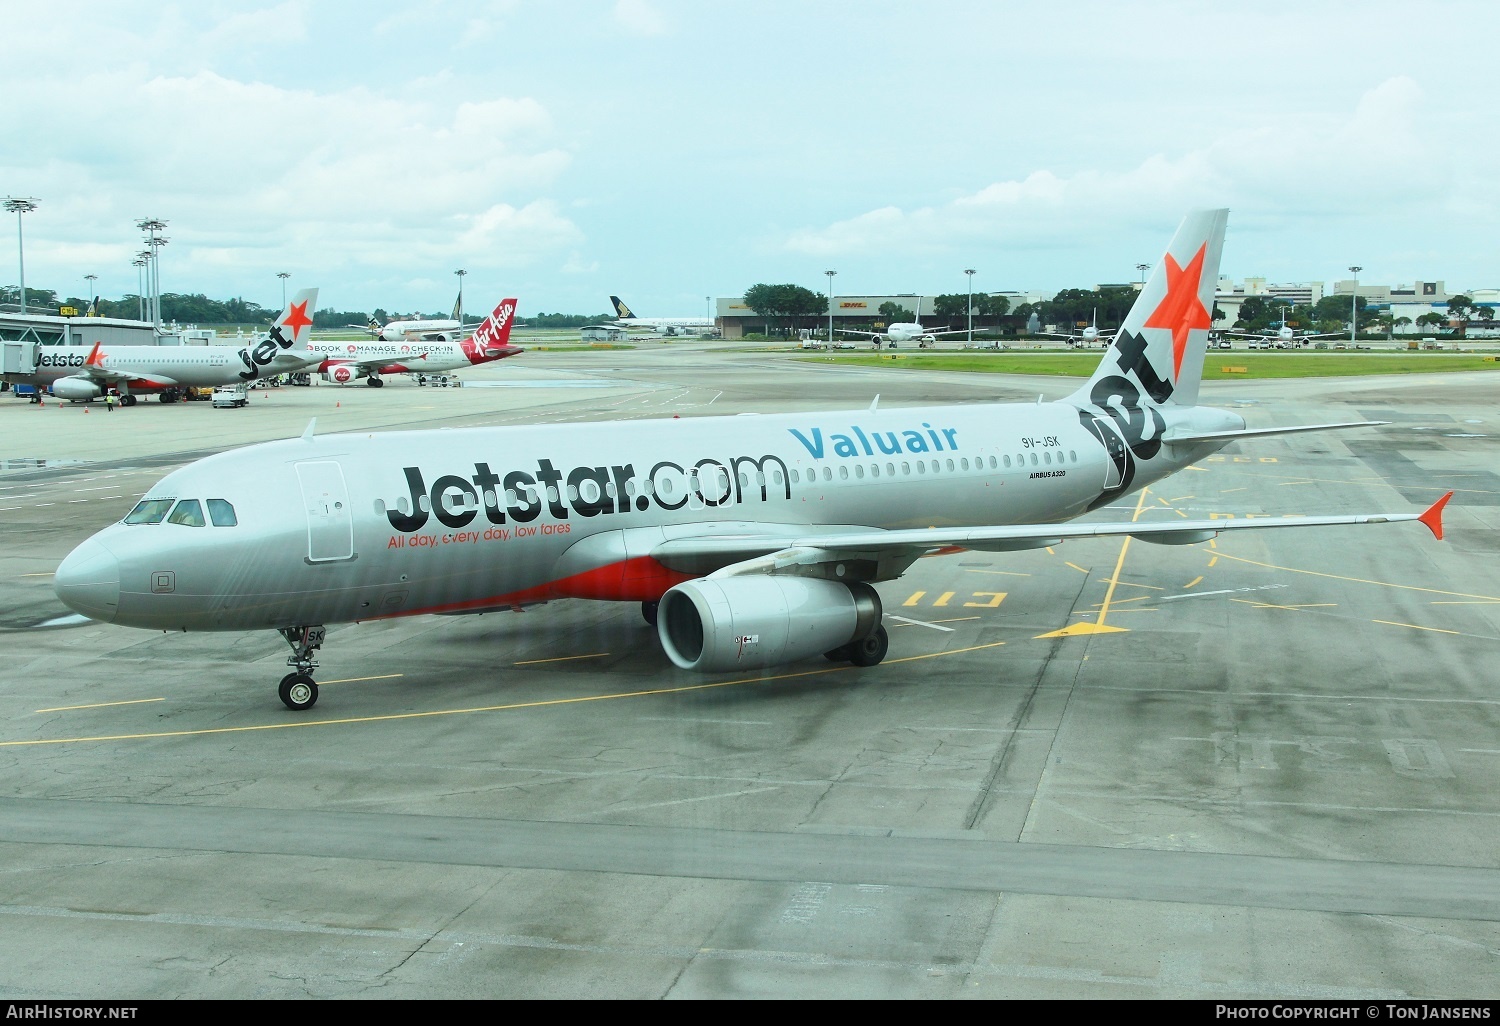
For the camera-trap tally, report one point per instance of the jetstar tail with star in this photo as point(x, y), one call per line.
point(750, 541)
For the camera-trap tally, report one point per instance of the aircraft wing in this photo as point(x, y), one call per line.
point(105, 375)
point(372, 365)
point(864, 334)
point(891, 552)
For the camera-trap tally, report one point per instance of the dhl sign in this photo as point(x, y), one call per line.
point(853, 305)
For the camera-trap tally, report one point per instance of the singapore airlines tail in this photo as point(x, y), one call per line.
point(622, 311)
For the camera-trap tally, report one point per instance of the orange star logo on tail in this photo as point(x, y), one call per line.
point(297, 318)
point(1181, 310)
point(95, 358)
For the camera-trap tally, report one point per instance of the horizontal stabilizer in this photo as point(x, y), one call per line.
point(1190, 437)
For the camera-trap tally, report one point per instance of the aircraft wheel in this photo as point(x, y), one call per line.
point(375, 382)
point(298, 691)
point(870, 649)
point(648, 612)
point(127, 400)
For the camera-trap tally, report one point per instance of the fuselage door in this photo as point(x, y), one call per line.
point(330, 527)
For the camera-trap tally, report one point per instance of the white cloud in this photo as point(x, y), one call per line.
point(639, 18)
point(1374, 157)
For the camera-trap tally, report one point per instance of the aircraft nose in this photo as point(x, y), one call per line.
point(88, 581)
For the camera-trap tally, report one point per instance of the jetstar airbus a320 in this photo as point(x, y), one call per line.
point(750, 541)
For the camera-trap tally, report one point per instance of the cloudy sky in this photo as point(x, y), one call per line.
point(671, 150)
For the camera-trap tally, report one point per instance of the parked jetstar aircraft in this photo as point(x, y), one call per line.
point(624, 318)
point(750, 541)
point(81, 373)
point(348, 361)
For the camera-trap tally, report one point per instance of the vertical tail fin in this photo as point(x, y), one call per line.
point(294, 325)
point(621, 310)
point(491, 340)
point(1156, 358)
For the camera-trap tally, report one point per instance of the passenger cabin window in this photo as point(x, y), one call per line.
point(221, 513)
point(149, 511)
point(188, 513)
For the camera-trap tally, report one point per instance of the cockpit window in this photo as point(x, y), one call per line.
point(189, 513)
point(222, 513)
point(149, 511)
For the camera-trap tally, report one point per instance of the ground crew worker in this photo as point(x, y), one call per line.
point(109, 401)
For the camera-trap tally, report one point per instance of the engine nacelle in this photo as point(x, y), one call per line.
point(340, 373)
point(741, 623)
point(76, 388)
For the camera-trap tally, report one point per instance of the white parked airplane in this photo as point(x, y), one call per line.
point(1085, 338)
point(624, 318)
point(750, 541)
point(82, 373)
point(414, 330)
point(905, 331)
point(344, 362)
point(1284, 337)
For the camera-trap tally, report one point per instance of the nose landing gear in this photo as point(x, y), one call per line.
point(298, 690)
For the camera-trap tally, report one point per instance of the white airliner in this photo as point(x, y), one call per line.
point(344, 362)
point(624, 318)
point(750, 541)
point(905, 331)
point(82, 373)
point(1285, 337)
point(1085, 338)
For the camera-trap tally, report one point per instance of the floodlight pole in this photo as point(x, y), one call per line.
point(970, 272)
point(460, 272)
point(93, 293)
point(19, 205)
point(1354, 304)
point(139, 264)
point(1142, 269)
point(283, 275)
point(154, 242)
point(830, 305)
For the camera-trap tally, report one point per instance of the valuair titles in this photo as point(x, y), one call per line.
point(889, 443)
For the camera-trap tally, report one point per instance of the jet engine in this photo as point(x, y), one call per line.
point(76, 388)
point(341, 373)
point(740, 623)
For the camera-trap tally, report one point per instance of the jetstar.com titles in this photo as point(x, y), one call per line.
point(521, 496)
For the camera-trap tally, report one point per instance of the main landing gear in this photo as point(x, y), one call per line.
point(375, 382)
point(867, 651)
point(298, 690)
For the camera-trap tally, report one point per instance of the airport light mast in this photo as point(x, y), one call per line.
point(1354, 305)
point(19, 205)
point(139, 264)
point(93, 294)
point(154, 242)
point(283, 275)
point(830, 305)
point(460, 307)
point(971, 272)
point(1141, 269)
